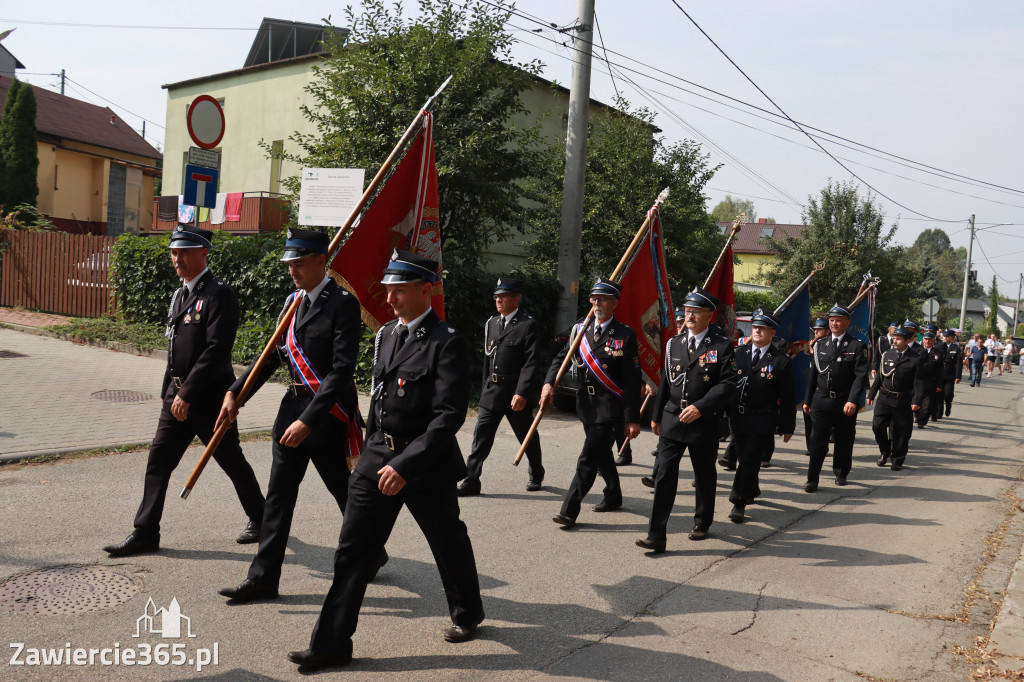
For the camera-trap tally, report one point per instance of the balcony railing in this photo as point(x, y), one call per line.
point(261, 212)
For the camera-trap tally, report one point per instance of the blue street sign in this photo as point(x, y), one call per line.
point(200, 186)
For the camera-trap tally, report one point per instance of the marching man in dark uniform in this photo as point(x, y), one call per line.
point(839, 373)
point(201, 325)
point(902, 392)
point(763, 404)
point(607, 402)
point(319, 419)
point(952, 368)
point(698, 378)
point(511, 348)
point(418, 401)
point(884, 343)
point(931, 372)
point(820, 330)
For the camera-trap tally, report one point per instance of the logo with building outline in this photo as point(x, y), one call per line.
point(168, 623)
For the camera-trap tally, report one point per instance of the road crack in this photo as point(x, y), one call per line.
point(753, 616)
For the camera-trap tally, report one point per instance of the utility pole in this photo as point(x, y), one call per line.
point(1013, 332)
point(967, 275)
point(62, 81)
point(571, 234)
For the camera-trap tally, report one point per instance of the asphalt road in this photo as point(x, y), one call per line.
point(882, 579)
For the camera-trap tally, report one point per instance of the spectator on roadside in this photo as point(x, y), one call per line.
point(976, 358)
point(992, 349)
point(1007, 355)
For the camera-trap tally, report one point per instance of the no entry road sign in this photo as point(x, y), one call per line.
point(205, 120)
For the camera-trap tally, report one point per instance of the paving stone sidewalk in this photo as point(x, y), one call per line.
point(59, 397)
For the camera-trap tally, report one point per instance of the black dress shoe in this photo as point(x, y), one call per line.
point(648, 481)
point(249, 591)
point(623, 460)
point(765, 464)
point(307, 660)
point(840, 480)
point(727, 465)
point(655, 546)
point(136, 543)
point(468, 489)
point(250, 534)
point(460, 633)
point(605, 506)
point(881, 460)
point(698, 533)
point(564, 521)
point(810, 487)
point(736, 515)
point(534, 486)
point(896, 467)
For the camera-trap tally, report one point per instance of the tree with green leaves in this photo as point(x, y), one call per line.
point(729, 208)
point(19, 153)
point(993, 308)
point(845, 234)
point(942, 265)
point(627, 167)
point(376, 77)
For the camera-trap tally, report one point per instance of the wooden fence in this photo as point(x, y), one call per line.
point(57, 272)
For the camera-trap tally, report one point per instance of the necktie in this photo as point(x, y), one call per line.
point(756, 356)
point(693, 345)
point(501, 324)
point(403, 333)
point(304, 307)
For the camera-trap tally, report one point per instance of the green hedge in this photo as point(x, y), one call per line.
point(144, 279)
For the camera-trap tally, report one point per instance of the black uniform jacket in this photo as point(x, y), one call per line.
point(884, 344)
point(203, 336)
point(899, 379)
point(616, 350)
point(705, 379)
point(931, 367)
point(510, 360)
point(419, 400)
point(843, 373)
point(329, 335)
point(764, 400)
point(953, 362)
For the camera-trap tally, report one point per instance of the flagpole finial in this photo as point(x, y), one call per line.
point(661, 197)
point(429, 102)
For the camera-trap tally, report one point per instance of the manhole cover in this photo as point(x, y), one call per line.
point(67, 589)
point(122, 396)
point(10, 354)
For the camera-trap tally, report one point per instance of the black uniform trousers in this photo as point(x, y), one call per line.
point(938, 402)
point(751, 450)
point(732, 456)
point(286, 473)
point(823, 422)
point(890, 415)
point(595, 458)
point(169, 444)
point(808, 429)
point(369, 519)
point(947, 394)
point(927, 405)
point(487, 423)
point(666, 484)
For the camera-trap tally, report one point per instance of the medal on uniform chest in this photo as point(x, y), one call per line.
point(188, 318)
point(401, 388)
point(707, 378)
point(199, 306)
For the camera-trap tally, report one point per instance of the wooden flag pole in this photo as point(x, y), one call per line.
point(714, 271)
point(286, 317)
point(574, 343)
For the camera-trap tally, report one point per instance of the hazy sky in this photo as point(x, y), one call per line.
point(935, 82)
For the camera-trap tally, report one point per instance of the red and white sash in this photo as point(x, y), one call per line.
point(311, 380)
point(594, 365)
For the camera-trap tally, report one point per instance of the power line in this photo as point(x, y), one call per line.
point(113, 103)
point(917, 165)
point(992, 267)
point(601, 38)
point(68, 24)
point(810, 137)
